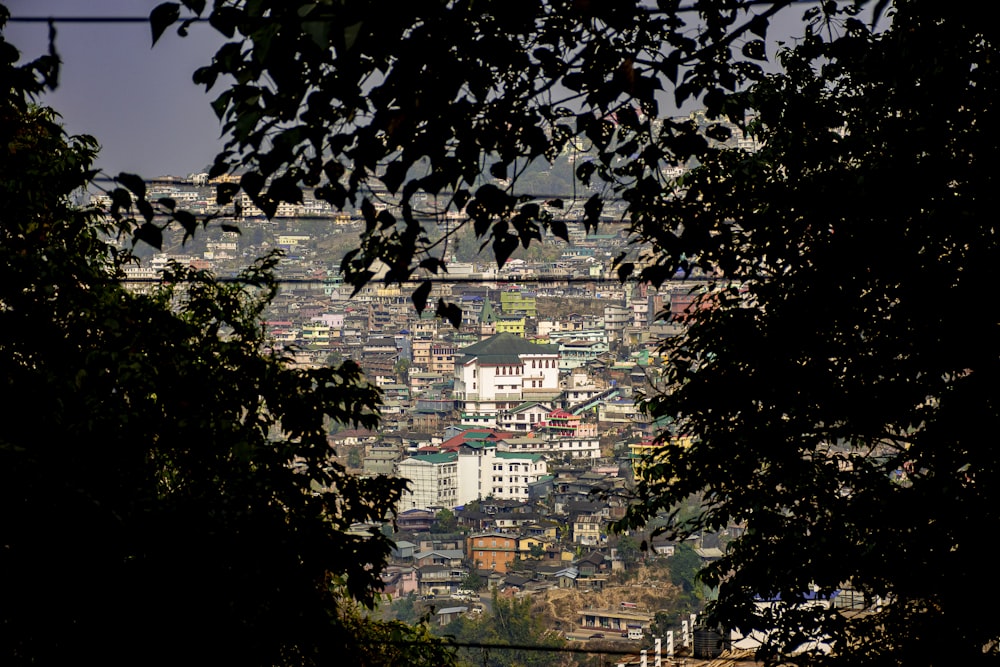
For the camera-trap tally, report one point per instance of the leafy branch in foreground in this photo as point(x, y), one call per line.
point(166, 484)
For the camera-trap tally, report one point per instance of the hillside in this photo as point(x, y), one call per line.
point(560, 607)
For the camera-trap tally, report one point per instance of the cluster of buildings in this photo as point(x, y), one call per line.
point(522, 423)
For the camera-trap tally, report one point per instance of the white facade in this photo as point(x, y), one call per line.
point(577, 447)
point(511, 473)
point(484, 472)
point(433, 481)
point(523, 418)
point(501, 373)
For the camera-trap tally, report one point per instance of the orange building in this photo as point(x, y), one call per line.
point(493, 551)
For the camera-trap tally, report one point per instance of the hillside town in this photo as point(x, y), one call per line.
point(520, 432)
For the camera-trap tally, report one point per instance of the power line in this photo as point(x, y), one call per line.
point(686, 9)
point(93, 19)
point(544, 279)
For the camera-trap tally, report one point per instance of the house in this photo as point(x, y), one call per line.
point(588, 530)
point(566, 577)
point(447, 557)
point(616, 621)
point(527, 545)
point(592, 564)
point(403, 550)
point(495, 551)
point(399, 581)
point(524, 417)
point(415, 520)
point(440, 579)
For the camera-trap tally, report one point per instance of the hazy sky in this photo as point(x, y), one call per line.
point(138, 101)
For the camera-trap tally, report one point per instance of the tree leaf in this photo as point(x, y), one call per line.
point(420, 295)
point(133, 183)
point(450, 312)
point(252, 183)
point(187, 220)
point(592, 212)
point(149, 234)
point(558, 228)
point(224, 193)
point(196, 6)
point(504, 246)
point(162, 17)
point(146, 209)
point(755, 49)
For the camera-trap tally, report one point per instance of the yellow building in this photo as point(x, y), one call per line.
point(513, 324)
point(644, 453)
point(517, 302)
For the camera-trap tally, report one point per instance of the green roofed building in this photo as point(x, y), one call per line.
point(502, 372)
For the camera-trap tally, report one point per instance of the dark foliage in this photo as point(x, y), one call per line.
point(838, 381)
point(151, 512)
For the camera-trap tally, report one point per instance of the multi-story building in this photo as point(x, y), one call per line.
point(518, 302)
point(502, 372)
point(577, 353)
point(433, 481)
point(441, 358)
point(554, 446)
point(493, 551)
point(524, 417)
point(587, 530)
point(512, 473)
point(512, 324)
point(316, 334)
point(422, 353)
point(485, 471)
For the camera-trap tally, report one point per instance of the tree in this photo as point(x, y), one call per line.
point(473, 582)
point(441, 97)
point(832, 411)
point(402, 370)
point(628, 550)
point(513, 624)
point(834, 404)
point(166, 485)
point(445, 521)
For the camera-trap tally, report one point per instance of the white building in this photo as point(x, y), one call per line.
point(511, 473)
point(451, 479)
point(501, 373)
point(576, 447)
point(433, 481)
point(524, 417)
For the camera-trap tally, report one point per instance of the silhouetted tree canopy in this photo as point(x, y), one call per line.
point(838, 382)
point(166, 489)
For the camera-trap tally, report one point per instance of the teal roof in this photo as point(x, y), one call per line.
point(479, 444)
point(534, 458)
point(487, 315)
point(503, 348)
point(444, 457)
point(525, 406)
